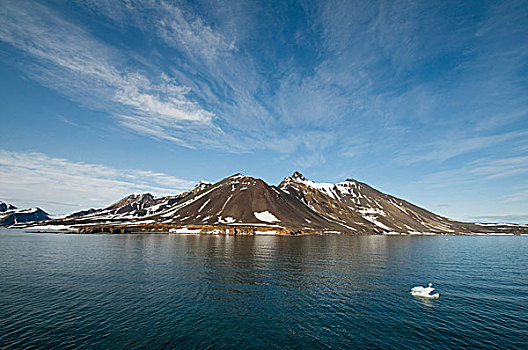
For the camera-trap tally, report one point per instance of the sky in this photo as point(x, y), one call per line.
point(424, 100)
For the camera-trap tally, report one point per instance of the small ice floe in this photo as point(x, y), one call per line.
point(424, 292)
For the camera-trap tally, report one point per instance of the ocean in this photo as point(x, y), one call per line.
point(195, 292)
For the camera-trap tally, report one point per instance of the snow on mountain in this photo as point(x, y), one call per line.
point(354, 204)
point(10, 215)
point(244, 204)
point(336, 191)
point(133, 207)
point(266, 216)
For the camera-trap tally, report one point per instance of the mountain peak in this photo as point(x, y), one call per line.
point(6, 206)
point(235, 176)
point(137, 200)
point(239, 176)
point(298, 176)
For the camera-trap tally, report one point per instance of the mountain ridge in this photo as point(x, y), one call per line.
point(246, 204)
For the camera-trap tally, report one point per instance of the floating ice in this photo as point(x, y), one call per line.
point(424, 292)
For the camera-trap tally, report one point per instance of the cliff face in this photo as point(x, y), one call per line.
point(298, 205)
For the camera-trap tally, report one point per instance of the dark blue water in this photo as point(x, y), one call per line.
point(187, 291)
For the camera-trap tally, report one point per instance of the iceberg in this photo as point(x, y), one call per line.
point(424, 292)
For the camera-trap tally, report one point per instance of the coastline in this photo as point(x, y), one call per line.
point(242, 230)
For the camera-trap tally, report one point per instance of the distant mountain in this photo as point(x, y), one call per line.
point(5, 207)
point(10, 215)
point(244, 204)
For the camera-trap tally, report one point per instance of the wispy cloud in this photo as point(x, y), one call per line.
point(62, 186)
point(166, 104)
point(176, 27)
point(500, 218)
point(482, 169)
point(498, 168)
point(310, 161)
point(241, 76)
point(457, 144)
point(69, 59)
point(517, 197)
point(195, 35)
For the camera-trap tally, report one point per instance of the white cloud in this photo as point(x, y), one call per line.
point(70, 60)
point(176, 27)
point(239, 82)
point(62, 186)
point(250, 115)
point(192, 34)
point(166, 100)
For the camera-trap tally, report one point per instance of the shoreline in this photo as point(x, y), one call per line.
point(271, 233)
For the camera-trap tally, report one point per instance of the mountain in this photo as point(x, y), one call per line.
point(10, 215)
point(5, 207)
point(243, 204)
point(132, 207)
point(363, 209)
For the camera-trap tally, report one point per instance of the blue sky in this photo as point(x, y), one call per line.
point(425, 100)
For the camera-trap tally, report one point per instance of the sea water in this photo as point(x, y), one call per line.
point(191, 291)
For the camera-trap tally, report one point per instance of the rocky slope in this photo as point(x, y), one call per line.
point(244, 204)
point(361, 208)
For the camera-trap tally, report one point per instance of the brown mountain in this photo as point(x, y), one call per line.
point(363, 209)
point(244, 204)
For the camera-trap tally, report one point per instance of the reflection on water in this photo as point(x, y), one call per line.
point(198, 291)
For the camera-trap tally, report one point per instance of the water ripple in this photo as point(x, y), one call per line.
point(170, 291)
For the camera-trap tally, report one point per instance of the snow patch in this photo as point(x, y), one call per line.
point(370, 211)
point(203, 205)
point(53, 228)
point(254, 224)
point(347, 187)
point(376, 222)
point(184, 230)
point(422, 233)
point(273, 232)
point(173, 210)
point(226, 220)
point(265, 216)
point(227, 201)
point(326, 188)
